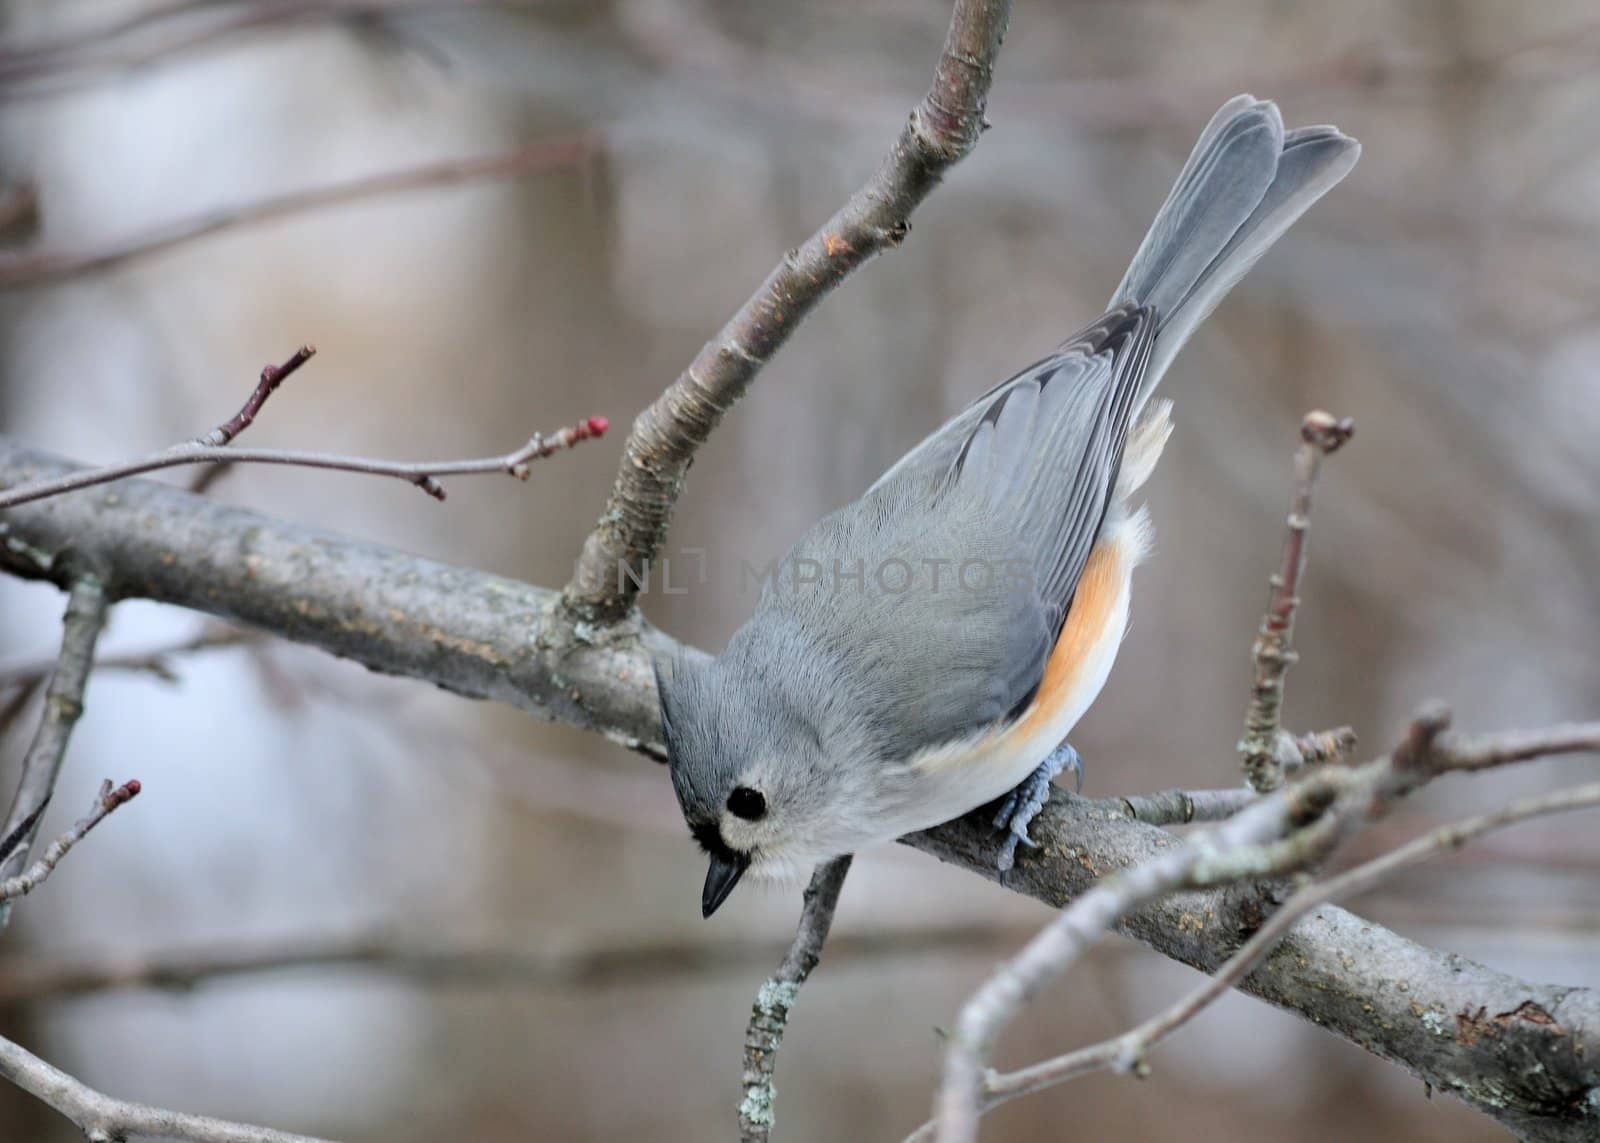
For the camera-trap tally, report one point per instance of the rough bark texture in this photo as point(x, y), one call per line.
point(1527, 1054)
point(942, 129)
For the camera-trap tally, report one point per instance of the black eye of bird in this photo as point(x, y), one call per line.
point(747, 804)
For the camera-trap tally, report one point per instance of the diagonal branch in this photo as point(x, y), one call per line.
point(1240, 847)
point(105, 802)
point(104, 1119)
point(1127, 1052)
point(85, 619)
point(177, 27)
point(769, 1018)
point(488, 637)
point(942, 130)
point(21, 269)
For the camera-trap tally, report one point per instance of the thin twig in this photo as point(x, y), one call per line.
point(1311, 816)
point(271, 377)
point(85, 619)
point(1273, 653)
point(213, 448)
point(50, 67)
point(104, 1119)
point(1181, 807)
point(157, 662)
point(105, 802)
point(424, 474)
point(1238, 848)
point(942, 130)
point(27, 268)
point(1127, 1052)
point(770, 1015)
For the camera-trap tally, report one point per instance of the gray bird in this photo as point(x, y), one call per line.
point(926, 649)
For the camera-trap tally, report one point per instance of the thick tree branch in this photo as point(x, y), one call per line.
point(20, 269)
point(942, 130)
point(1273, 653)
point(63, 706)
point(488, 637)
point(106, 1120)
point(769, 1017)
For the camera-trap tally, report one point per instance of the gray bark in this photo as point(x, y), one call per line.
point(1527, 1054)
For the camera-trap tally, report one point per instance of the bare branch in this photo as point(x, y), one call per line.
point(104, 1119)
point(1236, 849)
point(770, 1015)
point(213, 448)
point(85, 619)
point(942, 130)
point(65, 63)
point(489, 637)
point(105, 802)
point(271, 377)
point(27, 268)
point(1244, 847)
point(30, 979)
point(1127, 1053)
point(1180, 807)
point(157, 661)
point(1273, 652)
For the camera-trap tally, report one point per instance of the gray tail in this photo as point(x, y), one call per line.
point(1245, 183)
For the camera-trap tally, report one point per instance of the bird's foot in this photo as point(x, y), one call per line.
point(1023, 804)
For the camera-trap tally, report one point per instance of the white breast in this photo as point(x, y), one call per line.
point(953, 779)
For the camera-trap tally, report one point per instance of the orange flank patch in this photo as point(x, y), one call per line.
point(1104, 579)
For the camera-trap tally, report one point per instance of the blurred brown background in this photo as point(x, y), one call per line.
point(1443, 297)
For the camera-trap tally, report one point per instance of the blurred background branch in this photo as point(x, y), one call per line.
point(28, 268)
point(1445, 298)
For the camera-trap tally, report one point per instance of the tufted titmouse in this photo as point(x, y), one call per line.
point(926, 649)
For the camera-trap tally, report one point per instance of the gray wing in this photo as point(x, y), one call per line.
point(941, 592)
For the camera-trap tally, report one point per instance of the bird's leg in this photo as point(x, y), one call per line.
point(1023, 804)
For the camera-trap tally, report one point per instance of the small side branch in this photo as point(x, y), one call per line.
point(942, 130)
point(214, 448)
point(770, 1016)
point(103, 1119)
point(85, 619)
point(1243, 846)
point(1127, 1053)
point(22, 269)
point(158, 661)
point(1273, 653)
point(1291, 829)
point(105, 802)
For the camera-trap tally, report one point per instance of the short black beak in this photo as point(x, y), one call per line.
point(723, 875)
